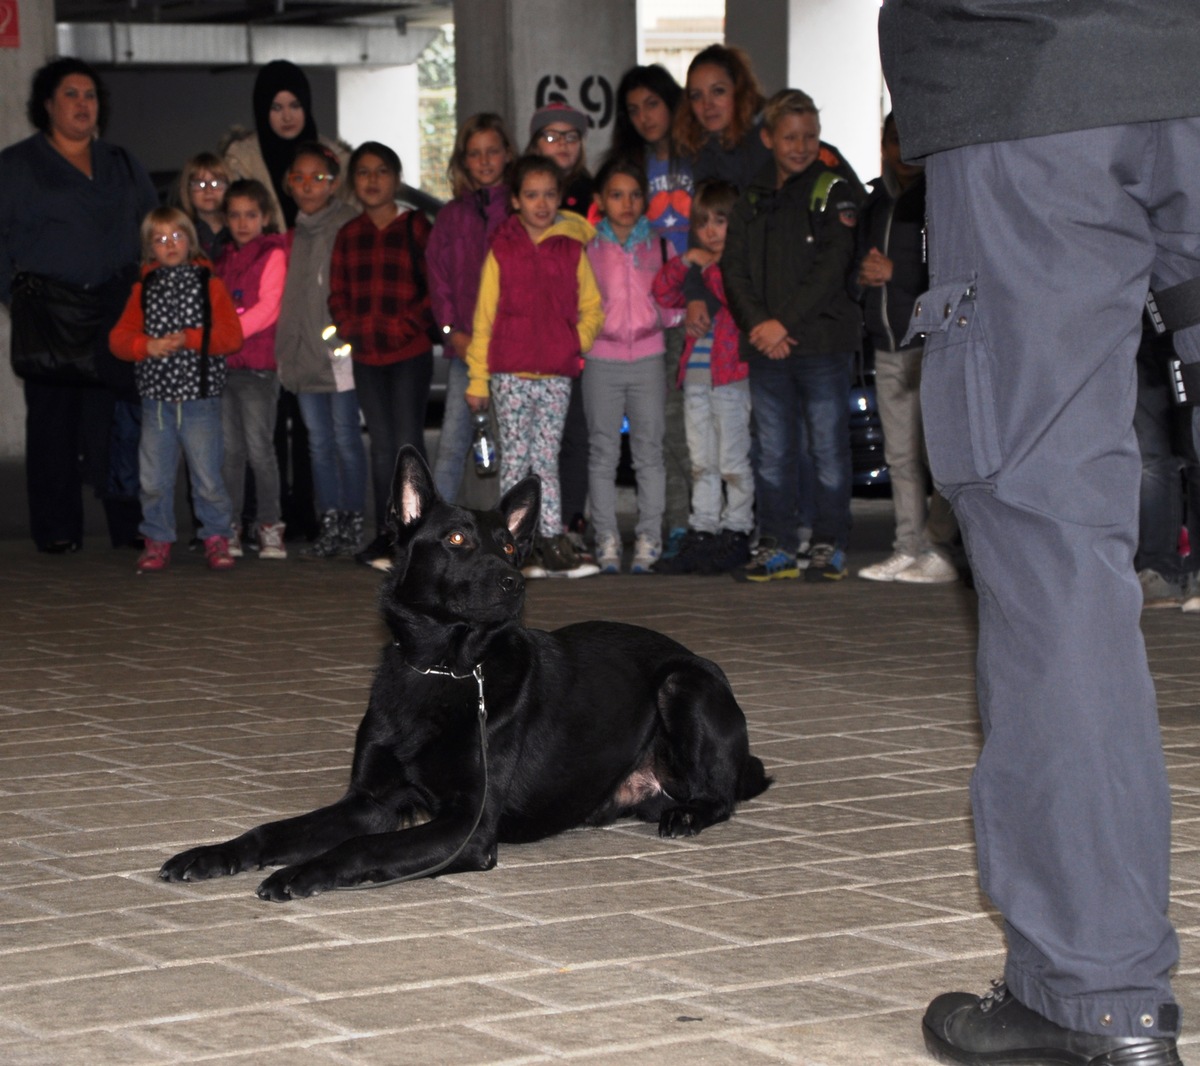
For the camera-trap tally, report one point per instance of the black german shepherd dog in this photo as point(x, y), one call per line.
point(593, 722)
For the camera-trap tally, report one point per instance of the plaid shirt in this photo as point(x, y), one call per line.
point(378, 296)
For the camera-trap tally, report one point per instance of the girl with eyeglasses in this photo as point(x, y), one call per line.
point(202, 185)
point(557, 132)
point(177, 327)
point(321, 378)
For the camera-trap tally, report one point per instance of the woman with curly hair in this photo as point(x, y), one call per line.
point(70, 207)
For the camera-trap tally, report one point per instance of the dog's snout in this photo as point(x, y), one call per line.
point(511, 583)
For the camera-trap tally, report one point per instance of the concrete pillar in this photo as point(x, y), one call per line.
point(380, 104)
point(829, 49)
point(35, 44)
point(514, 56)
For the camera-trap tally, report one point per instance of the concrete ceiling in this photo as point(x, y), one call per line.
point(257, 12)
point(217, 33)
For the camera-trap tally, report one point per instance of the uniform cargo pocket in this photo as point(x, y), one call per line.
point(957, 398)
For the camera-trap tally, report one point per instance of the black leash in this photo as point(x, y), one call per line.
point(477, 673)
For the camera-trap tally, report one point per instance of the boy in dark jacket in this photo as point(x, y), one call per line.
point(890, 273)
point(789, 246)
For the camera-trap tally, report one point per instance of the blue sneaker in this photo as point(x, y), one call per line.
point(827, 564)
point(646, 553)
point(674, 543)
point(608, 553)
point(768, 563)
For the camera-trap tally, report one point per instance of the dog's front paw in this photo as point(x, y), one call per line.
point(679, 822)
point(200, 864)
point(294, 882)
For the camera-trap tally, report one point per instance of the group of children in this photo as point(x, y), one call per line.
point(535, 305)
point(228, 309)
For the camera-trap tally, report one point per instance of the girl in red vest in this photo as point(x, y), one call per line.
point(538, 310)
point(254, 271)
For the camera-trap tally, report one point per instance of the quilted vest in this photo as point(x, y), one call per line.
point(536, 326)
point(241, 270)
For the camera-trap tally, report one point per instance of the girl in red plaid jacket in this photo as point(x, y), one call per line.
point(379, 301)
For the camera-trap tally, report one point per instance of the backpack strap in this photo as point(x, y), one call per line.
point(818, 200)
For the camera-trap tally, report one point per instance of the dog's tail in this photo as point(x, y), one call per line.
point(753, 779)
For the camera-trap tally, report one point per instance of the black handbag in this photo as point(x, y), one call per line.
point(55, 331)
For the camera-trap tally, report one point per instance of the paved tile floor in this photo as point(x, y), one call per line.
point(144, 714)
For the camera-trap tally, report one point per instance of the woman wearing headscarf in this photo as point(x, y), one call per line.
point(283, 120)
point(70, 208)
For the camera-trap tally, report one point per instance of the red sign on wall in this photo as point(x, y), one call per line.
point(10, 26)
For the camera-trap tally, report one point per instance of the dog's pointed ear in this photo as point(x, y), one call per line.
point(520, 507)
point(413, 492)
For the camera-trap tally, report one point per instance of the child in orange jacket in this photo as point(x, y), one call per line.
point(177, 327)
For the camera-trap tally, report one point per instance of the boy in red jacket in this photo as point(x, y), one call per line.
point(716, 401)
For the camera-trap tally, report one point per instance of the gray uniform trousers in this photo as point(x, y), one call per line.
point(1041, 254)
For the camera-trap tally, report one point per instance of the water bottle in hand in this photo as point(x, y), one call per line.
point(484, 447)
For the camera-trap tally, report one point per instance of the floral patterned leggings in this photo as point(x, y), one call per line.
point(530, 413)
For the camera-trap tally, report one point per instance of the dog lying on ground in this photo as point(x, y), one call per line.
point(590, 723)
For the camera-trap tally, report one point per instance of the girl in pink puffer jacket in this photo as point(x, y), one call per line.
point(625, 373)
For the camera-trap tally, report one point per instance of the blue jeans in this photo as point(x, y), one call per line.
point(194, 426)
point(457, 433)
point(335, 446)
point(815, 389)
point(393, 399)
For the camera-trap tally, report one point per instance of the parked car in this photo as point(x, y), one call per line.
point(870, 470)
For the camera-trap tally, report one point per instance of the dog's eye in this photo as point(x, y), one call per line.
point(457, 538)
point(510, 549)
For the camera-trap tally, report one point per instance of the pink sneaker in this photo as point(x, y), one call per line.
point(155, 556)
point(216, 551)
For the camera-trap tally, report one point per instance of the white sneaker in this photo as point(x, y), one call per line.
point(1157, 591)
point(1191, 594)
point(932, 568)
point(889, 568)
point(235, 541)
point(270, 542)
point(646, 553)
point(608, 553)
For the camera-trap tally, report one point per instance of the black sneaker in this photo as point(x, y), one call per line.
point(328, 543)
point(976, 1030)
point(688, 555)
point(351, 529)
point(729, 551)
point(377, 554)
point(559, 559)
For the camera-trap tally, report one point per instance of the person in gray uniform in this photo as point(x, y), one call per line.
point(1062, 147)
